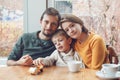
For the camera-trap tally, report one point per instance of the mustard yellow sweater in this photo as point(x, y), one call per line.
point(92, 51)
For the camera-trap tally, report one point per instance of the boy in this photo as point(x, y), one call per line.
point(63, 52)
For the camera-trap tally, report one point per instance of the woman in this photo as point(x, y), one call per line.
point(90, 46)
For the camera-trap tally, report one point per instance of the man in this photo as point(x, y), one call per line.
point(33, 45)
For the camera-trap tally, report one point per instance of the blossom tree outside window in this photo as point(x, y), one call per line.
point(11, 24)
point(99, 16)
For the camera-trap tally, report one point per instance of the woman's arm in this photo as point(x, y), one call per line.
point(99, 53)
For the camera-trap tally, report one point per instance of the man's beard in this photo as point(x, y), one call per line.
point(47, 35)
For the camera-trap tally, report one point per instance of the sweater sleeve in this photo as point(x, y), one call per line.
point(98, 53)
point(50, 60)
point(17, 51)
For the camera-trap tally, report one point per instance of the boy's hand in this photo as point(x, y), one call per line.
point(38, 61)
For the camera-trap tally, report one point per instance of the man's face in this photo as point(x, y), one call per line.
point(49, 24)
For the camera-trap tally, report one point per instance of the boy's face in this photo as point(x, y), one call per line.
point(62, 43)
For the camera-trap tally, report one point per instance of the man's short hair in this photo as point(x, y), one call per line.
point(53, 12)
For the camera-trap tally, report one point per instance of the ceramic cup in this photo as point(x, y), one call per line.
point(109, 70)
point(118, 67)
point(74, 66)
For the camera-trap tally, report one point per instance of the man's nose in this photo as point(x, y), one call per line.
point(48, 26)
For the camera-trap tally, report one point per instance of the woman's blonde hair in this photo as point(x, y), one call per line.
point(74, 19)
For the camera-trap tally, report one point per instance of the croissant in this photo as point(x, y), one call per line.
point(36, 70)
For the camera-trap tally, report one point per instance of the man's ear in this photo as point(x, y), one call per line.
point(40, 21)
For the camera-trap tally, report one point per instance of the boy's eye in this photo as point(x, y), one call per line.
point(54, 43)
point(60, 40)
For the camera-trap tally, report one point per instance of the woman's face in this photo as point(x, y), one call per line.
point(72, 29)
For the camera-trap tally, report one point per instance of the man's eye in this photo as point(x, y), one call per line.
point(46, 22)
point(54, 24)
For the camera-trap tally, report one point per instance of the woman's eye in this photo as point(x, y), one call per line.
point(66, 30)
point(61, 40)
point(72, 25)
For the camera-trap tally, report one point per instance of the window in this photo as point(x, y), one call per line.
point(63, 6)
point(99, 16)
point(11, 24)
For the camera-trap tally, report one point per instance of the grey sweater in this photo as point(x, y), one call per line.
point(60, 59)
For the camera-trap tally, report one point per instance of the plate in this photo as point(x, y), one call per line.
point(101, 75)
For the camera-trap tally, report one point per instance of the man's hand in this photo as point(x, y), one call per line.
point(25, 60)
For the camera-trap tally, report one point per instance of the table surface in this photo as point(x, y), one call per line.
point(49, 73)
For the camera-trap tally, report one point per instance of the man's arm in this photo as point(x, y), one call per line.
point(15, 57)
point(23, 61)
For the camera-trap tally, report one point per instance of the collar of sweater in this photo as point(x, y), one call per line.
point(70, 53)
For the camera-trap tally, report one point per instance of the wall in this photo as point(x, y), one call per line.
point(32, 12)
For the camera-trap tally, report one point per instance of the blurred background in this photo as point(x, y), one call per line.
point(22, 16)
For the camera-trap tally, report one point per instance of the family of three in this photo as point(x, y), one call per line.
point(53, 46)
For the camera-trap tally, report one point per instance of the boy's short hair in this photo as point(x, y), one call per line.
point(60, 32)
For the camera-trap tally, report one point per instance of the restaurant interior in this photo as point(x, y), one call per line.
point(19, 16)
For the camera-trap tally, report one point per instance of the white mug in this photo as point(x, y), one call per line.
point(118, 67)
point(109, 70)
point(74, 66)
